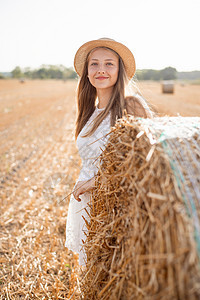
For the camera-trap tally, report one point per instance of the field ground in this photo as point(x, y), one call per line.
point(185, 101)
point(39, 165)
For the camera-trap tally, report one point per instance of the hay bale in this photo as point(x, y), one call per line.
point(168, 87)
point(143, 235)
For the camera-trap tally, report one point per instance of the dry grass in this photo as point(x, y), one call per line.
point(39, 166)
point(184, 102)
point(37, 151)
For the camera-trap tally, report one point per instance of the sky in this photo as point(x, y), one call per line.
point(159, 33)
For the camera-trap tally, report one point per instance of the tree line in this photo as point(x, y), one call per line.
point(45, 72)
point(168, 73)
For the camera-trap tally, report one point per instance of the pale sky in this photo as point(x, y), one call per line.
point(159, 33)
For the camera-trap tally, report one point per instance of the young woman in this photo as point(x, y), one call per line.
point(105, 68)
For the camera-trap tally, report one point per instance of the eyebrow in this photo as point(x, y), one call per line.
point(105, 59)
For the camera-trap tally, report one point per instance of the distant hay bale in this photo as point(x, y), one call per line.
point(144, 234)
point(168, 87)
point(22, 80)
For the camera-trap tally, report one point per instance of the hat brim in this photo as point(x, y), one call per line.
point(122, 50)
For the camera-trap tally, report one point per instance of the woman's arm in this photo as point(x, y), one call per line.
point(134, 107)
point(82, 187)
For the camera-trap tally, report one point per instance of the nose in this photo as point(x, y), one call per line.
point(101, 70)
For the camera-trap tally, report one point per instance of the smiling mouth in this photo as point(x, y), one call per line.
point(101, 78)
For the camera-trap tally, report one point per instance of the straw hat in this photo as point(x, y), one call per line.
point(123, 51)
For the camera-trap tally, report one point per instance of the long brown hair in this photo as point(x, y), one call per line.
point(86, 97)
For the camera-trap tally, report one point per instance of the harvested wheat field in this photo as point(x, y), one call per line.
point(39, 166)
point(185, 101)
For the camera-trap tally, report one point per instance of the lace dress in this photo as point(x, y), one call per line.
point(89, 150)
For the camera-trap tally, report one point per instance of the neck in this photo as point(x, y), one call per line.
point(104, 96)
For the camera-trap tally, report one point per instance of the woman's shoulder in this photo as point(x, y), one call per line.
point(136, 105)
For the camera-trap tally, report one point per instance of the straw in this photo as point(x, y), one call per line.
point(143, 235)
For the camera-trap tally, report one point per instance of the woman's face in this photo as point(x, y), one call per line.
point(103, 68)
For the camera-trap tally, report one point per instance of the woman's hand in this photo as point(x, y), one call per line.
point(83, 186)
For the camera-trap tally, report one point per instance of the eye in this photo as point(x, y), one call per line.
point(109, 64)
point(93, 64)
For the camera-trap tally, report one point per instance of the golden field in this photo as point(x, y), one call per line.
point(184, 102)
point(39, 166)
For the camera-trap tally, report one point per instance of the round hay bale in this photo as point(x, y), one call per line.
point(168, 87)
point(143, 236)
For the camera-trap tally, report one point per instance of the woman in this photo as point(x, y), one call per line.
point(105, 68)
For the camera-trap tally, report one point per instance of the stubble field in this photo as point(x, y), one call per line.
point(39, 165)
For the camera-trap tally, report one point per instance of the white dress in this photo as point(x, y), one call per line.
point(89, 150)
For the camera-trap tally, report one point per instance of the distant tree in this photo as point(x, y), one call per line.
point(156, 75)
point(1, 76)
point(45, 72)
point(27, 72)
point(69, 74)
point(55, 72)
point(192, 75)
point(148, 74)
point(169, 73)
point(42, 73)
point(17, 73)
